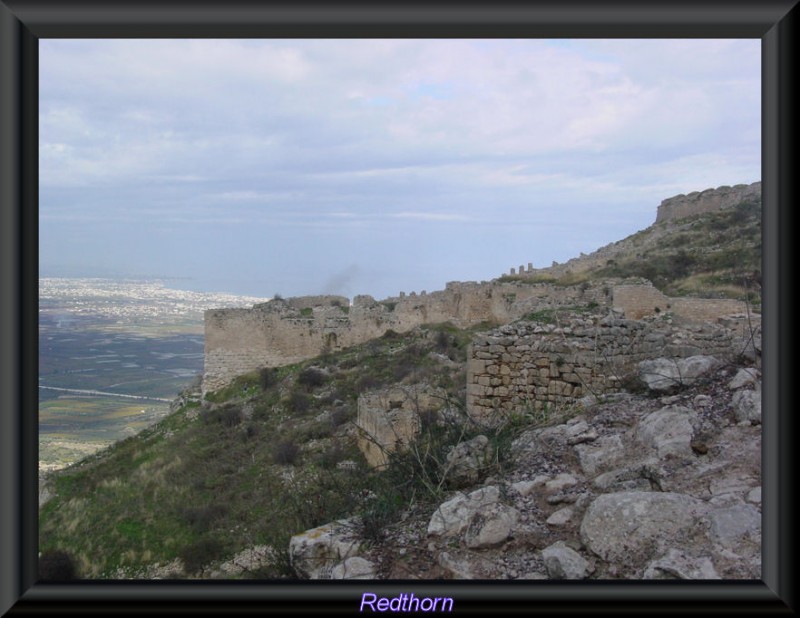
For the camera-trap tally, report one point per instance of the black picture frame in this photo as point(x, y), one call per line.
point(24, 22)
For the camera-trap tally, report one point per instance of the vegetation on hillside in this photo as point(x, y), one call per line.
point(269, 456)
point(711, 255)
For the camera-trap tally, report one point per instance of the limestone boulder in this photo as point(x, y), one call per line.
point(731, 526)
point(628, 527)
point(747, 406)
point(744, 377)
point(355, 567)
point(665, 374)
point(314, 553)
point(668, 431)
point(491, 527)
point(601, 455)
point(465, 461)
point(453, 517)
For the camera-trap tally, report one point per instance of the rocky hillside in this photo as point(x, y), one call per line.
point(265, 479)
point(365, 463)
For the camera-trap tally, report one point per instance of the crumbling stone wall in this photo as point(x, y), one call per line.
point(282, 332)
point(529, 365)
point(640, 300)
point(389, 419)
point(710, 200)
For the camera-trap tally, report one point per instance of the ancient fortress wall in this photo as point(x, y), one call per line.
point(527, 365)
point(710, 200)
point(282, 332)
point(640, 300)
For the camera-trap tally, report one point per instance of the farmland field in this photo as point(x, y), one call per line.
point(111, 356)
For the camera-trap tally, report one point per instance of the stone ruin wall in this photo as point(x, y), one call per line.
point(640, 300)
point(710, 200)
point(389, 419)
point(283, 332)
point(528, 366)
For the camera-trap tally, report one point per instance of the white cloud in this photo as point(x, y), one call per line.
point(342, 135)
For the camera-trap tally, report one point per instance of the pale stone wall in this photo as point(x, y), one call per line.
point(638, 301)
point(710, 200)
point(528, 366)
point(389, 419)
point(282, 332)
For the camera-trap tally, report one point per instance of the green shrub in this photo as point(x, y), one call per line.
point(200, 553)
point(311, 378)
point(202, 518)
point(267, 377)
point(299, 402)
point(285, 453)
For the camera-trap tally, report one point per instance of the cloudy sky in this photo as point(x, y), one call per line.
point(375, 166)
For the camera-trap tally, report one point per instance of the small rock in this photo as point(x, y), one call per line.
point(747, 406)
point(754, 495)
point(668, 430)
point(702, 401)
point(731, 525)
point(630, 478)
point(561, 517)
point(491, 527)
point(744, 377)
point(564, 563)
point(562, 481)
point(459, 568)
point(465, 461)
point(354, 568)
point(600, 455)
point(677, 565)
point(525, 488)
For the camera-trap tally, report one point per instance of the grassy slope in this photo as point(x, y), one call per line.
point(711, 255)
point(254, 469)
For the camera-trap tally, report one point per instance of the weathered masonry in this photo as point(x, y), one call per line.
point(529, 365)
point(639, 300)
point(282, 332)
point(710, 200)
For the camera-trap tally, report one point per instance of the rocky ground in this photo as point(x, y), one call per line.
point(665, 484)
